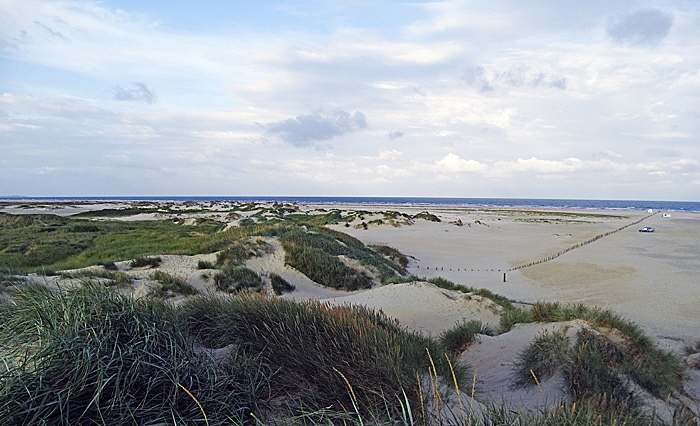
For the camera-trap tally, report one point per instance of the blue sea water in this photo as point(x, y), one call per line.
point(687, 206)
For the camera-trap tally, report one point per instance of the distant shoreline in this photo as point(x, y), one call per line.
point(642, 205)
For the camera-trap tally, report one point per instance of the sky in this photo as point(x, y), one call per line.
point(592, 99)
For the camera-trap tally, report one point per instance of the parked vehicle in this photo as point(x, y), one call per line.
point(646, 229)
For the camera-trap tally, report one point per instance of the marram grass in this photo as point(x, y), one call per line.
point(90, 356)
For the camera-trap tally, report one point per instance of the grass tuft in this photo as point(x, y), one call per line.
point(311, 343)
point(232, 279)
point(170, 284)
point(146, 262)
point(280, 285)
point(92, 356)
point(459, 337)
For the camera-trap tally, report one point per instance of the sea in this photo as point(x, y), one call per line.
point(682, 206)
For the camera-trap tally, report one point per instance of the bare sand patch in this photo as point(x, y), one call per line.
point(424, 307)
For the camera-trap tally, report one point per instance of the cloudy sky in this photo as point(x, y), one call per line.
point(548, 99)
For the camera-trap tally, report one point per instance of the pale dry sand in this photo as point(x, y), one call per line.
point(649, 278)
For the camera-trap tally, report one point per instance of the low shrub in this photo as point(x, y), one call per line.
point(459, 337)
point(596, 364)
point(232, 279)
point(142, 262)
point(205, 264)
point(109, 265)
point(427, 216)
point(392, 254)
point(504, 302)
point(236, 253)
point(170, 284)
point(324, 269)
point(692, 348)
point(597, 413)
point(280, 285)
point(542, 358)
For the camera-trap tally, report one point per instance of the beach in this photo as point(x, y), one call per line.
point(594, 257)
point(598, 258)
point(650, 278)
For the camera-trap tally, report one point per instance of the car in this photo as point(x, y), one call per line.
point(646, 229)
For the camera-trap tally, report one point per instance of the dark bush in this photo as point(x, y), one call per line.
point(280, 285)
point(233, 279)
point(142, 262)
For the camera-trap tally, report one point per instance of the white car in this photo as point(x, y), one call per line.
point(646, 229)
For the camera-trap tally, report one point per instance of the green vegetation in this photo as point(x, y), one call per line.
point(576, 414)
point(427, 216)
point(239, 251)
point(204, 264)
point(316, 254)
point(392, 254)
point(320, 351)
point(280, 285)
point(128, 211)
point(459, 337)
point(596, 362)
point(504, 302)
point(146, 262)
point(93, 356)
point(542, 358)
point(170, 285)
point(232, 279)
point(41, 243)
point(29, 243)
point(113, 277)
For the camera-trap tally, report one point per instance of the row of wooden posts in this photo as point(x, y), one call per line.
point(548, 258)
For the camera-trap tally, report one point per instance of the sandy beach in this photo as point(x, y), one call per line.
point(650, 278)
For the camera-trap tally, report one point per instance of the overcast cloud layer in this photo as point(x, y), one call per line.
point(556, 99)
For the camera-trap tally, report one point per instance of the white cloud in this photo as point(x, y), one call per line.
point(452, 163)
point(390, 155)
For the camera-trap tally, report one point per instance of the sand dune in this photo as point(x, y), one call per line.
point(649, 278)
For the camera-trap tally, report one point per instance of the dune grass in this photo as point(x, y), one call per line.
point(603, 360)
point(504, 302)
point(232, 279)
point(315, 251)
point(40, 243)
point(320, 350)
point(236, 253)
point(146, 262)
point(573, 414)
point(392, 254)
point(459, 337)
point(542, 358)
point(113, 277)
point(171, 285)
point(280, 285)
point(91, 356)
